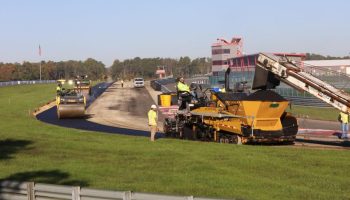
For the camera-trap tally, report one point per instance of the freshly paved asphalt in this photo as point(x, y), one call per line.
point(49, 116)
point(130, 102)
point(124, 107)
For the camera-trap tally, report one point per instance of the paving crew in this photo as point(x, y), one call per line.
point(344, 120)
point(183, 91)
point(152, 121)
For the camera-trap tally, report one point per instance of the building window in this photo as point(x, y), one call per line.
point(220, 51)
point(220, 62)
point(245, 61)
point(226, 51)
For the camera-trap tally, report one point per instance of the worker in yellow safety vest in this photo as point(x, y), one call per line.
point(182, 86)
point(344, 119)
point(152, 121)
point(184, 95)
point(59, 88)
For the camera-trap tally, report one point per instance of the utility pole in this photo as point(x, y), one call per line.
point(123, 71)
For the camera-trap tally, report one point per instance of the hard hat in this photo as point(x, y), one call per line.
point(153, 106)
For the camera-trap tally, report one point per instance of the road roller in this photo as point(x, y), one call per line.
point(70, 104)
point(83, 85)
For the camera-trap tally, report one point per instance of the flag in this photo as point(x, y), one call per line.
point(39, 50)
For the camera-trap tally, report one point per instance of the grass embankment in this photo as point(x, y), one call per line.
point(329, 114)
point(34, 151)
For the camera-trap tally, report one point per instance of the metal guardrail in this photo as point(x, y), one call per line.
point(297, 98)
point(301, 98)
point(308, 101)
point(165, 89)
point(199, 80)
point(10, 190)
point(10, 83)
point(160, 84)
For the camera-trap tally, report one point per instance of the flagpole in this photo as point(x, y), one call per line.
point(40, 69)
point(40, 61)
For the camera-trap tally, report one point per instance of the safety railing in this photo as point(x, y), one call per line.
point(36, 191)
point(10, 83)
point(161, 84)
point(199, 80)
point(296, 97)
point(301, 98)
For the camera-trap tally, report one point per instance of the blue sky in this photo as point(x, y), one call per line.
point(110, 29)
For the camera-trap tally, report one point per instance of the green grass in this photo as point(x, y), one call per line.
point(329, 114)
point(34, 151)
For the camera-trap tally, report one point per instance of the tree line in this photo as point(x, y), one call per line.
point(52, 70)
point(126, 69)
point(146, 67)
point(312, 56)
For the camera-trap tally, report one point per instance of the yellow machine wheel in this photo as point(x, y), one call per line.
point(236, 139)
point(229, 138)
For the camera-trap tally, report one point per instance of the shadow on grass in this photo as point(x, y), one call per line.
point(329, 143)
point(45, 176)
point(9, 147)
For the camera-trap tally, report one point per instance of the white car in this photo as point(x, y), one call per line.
point(139, 82)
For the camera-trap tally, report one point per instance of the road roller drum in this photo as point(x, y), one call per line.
point(70, 104)
point(70, 111)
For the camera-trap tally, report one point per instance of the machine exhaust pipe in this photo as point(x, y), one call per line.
point(227, 79)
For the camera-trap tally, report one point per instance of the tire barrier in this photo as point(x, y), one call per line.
point(157, 84)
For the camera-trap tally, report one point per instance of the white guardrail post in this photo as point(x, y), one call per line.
point(127, 195)
point(10, 190)
point(30, 191)
point(76, 193)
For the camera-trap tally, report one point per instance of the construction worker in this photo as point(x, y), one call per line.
point(183, 91)
point(344, 119)
point(59, 88)
point(182, 86)
point(152, 121)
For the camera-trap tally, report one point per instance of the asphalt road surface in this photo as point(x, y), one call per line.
point(125, 107)
point(113, 109)
point(108, 90)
